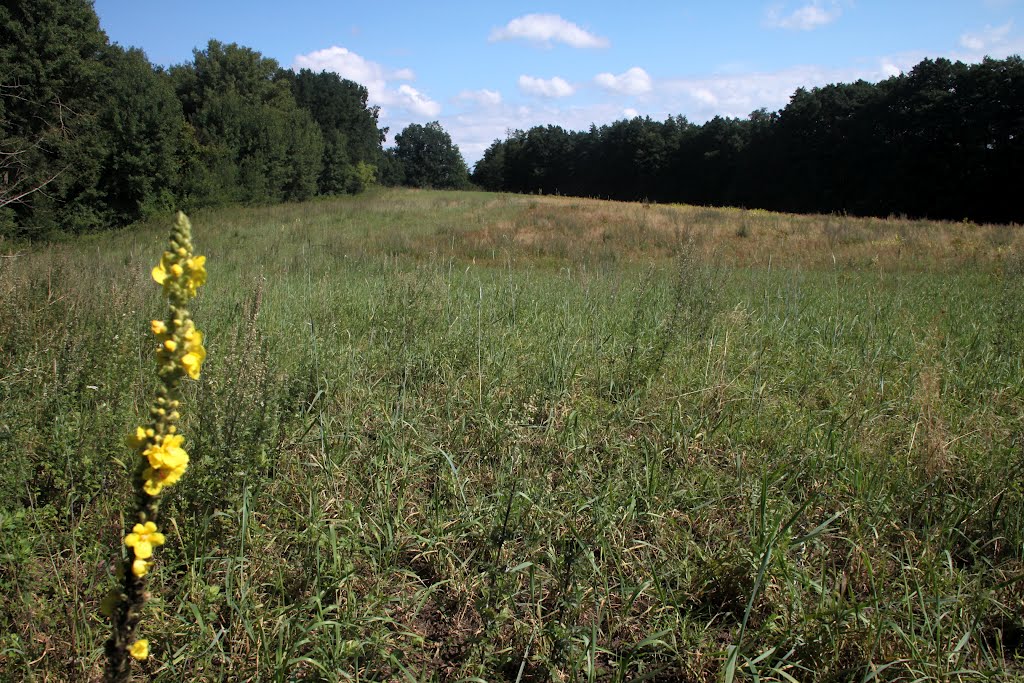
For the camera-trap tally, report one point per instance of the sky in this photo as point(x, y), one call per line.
point(484, 68)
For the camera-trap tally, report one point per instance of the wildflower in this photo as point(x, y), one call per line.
point(155, 479)
point(195, 353)
point(162, 459)
point(167, 462)
point(139, 649)
point(168, 453)
point(159, 272)
point(143, 539)
point(138, 439)
point(196, 267)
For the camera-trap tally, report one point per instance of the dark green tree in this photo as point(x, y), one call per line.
point(255, 142)
point(145, 138)
point(52, 78)
point(489, 171)
point(429, 158)
point(391, 172)
point(347, 123)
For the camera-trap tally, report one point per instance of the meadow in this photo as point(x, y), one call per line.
point(452, 436)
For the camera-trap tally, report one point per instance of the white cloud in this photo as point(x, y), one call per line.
point(484, 98)
point(348, 64)
point(987, 38)
point(550, 87)
point(412, 100)
point(890, 69)
point(807, 18)
point(630, 113)
point(547, 29)
point(704, 96)
point(634, 81)
point(376, 77)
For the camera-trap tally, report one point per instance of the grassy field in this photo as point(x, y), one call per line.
point(465, 436)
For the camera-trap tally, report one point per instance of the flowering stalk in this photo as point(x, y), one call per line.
point(162, 460)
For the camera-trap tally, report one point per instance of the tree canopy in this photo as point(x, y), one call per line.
point(92, 135)
point(428, 158)
point(945, 140)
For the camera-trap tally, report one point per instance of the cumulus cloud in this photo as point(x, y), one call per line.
point(630, 113)
point(545, 87)
point(348, 64)
point(412, 100)
point(987, 38)
point(634, 81)
point(376, 77)
point(806, 18)
point(484, 98)
point(890, 69)
point(704, 96)
point(546, 29)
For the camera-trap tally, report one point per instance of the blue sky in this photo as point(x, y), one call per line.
point(482, 68)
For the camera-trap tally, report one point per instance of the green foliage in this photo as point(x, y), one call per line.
point(349, 126)
point(942, 141)
point(489, 171)
point(93, 135)
point(52, 75)
point(143, 119)
point(263, 146)
point(429, 158)
point(392, 172)
point(360, 177)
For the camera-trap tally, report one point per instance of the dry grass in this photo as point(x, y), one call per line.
point(574, 229)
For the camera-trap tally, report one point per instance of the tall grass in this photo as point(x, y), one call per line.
point(447, 435)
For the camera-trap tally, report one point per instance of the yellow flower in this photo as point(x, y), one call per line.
point(151, 486)
point(142, 540)
point(195, 353)
point(170, 345)
point(156, 478)
point(140, 567)
point(158, 327)
point(139, 649)
point(196, 274)
point(160, 270)
point(136, 440)
point(192, 362)
point(168, 454)
point(167, 460)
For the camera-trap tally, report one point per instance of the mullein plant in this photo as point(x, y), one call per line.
point(161, 458)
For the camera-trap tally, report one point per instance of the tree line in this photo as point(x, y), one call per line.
point(945, 140)
point(93, 135)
